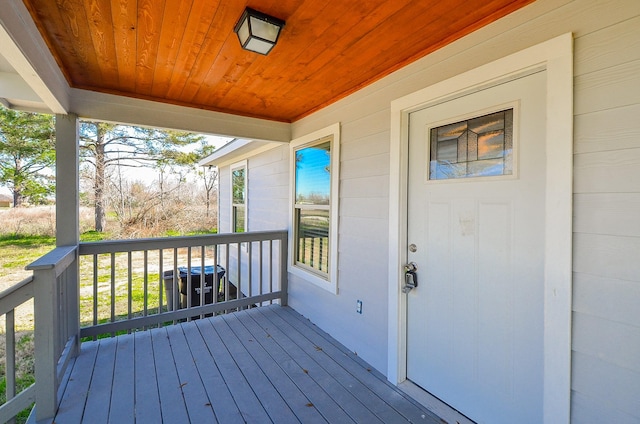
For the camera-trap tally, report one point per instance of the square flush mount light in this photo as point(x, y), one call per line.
point(258, 32)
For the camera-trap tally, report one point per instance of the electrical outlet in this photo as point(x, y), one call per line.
point(359, 306)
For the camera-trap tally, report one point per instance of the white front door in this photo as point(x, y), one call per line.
point(476, 219)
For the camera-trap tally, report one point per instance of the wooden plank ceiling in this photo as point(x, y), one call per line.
point(185, 51)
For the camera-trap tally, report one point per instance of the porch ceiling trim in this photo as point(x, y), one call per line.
point(32, 59)
point(236, 150)
point(127, 110)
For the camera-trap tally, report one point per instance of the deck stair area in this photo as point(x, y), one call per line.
point(260, 365)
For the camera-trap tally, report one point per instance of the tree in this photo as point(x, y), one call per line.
point(208, 175)
point(104, 145)
point(27, 152)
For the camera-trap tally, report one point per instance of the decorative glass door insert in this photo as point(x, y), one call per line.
point(476, 147)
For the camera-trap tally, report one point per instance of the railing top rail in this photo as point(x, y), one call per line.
point(14, 288)
point(16, 295)
point(58, 259)
point(109, 246)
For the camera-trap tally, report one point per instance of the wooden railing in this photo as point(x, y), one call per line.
point(128, 285)
point(55, 288)
point(10, 300)
point(72, 284)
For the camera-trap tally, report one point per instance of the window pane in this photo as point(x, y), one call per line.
point(238, 218)
point(313, 175)
point(312, 240)
point(238, 179)
point(477, 147)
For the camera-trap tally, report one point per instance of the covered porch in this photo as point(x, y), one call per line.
point(266, 364)
point(179, 358)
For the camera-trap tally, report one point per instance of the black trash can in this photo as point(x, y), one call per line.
point(210, 290)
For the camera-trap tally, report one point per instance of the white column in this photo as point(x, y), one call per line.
point(67, 180)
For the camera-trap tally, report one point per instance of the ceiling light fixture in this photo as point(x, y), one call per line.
point(258, 32)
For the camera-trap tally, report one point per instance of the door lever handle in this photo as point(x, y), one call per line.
point(410, 277)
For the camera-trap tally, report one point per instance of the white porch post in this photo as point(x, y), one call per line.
point(56, 300)
point(68, 210)
point(67, 180)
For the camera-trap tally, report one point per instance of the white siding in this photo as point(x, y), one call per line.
point(224, 200)
point(268, 190)
point(606, 286)
point(606, 346)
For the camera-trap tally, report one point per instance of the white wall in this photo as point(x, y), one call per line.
point(606, 327)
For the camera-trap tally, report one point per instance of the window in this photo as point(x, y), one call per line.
point(313, 189)
point(239, 197)
point(477, 147)
point(314, 207)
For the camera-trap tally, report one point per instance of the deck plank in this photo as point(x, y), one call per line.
point(223, 404)
point(146, 388)
point(319, 349)
point(100, 388)
point(301, 406)
point(249, 405)
point(123, 400)
point(319, 399)
point(262, 365)
point(299, 349)
point(172, 403)
point(353, 364)
point(264, 387)
point(193, 391)
point(77, 390)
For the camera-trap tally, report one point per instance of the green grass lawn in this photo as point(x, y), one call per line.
point(16, 252)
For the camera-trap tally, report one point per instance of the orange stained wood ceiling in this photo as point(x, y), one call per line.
point(185, 51)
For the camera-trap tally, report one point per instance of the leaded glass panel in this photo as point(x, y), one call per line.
point(476, 147)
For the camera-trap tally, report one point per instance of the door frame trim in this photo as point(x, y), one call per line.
point(556, 58)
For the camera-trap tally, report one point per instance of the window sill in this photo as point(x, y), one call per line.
point(323, 283)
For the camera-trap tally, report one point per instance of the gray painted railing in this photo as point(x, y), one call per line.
point(255, 264)
point(251, 268)
point(55, 288)
point(11, 299)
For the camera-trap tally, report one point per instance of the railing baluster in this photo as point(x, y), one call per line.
point(239, 267)
point(161, 284)
point(282, 268)
point(10, 356)
point(177, 301)
point(260, 280)
point(189, 281)
point(203, 278)
point(129, 286)
point(95, 291)
point(270, 269)
point(226, 280)
point(113, 289)
point(216, 281)
point(249, 263)
point(145, 284)
point(320, 255)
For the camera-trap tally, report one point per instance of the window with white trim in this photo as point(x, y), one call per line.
point(314, 207)
point(239, 197)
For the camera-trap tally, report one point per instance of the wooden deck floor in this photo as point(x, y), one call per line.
point(261, 365)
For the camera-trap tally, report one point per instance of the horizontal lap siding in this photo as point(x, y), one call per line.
point(606, 246)
point(362, 240)
point(268, 190)
point(224, 199)
point(606, 319)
